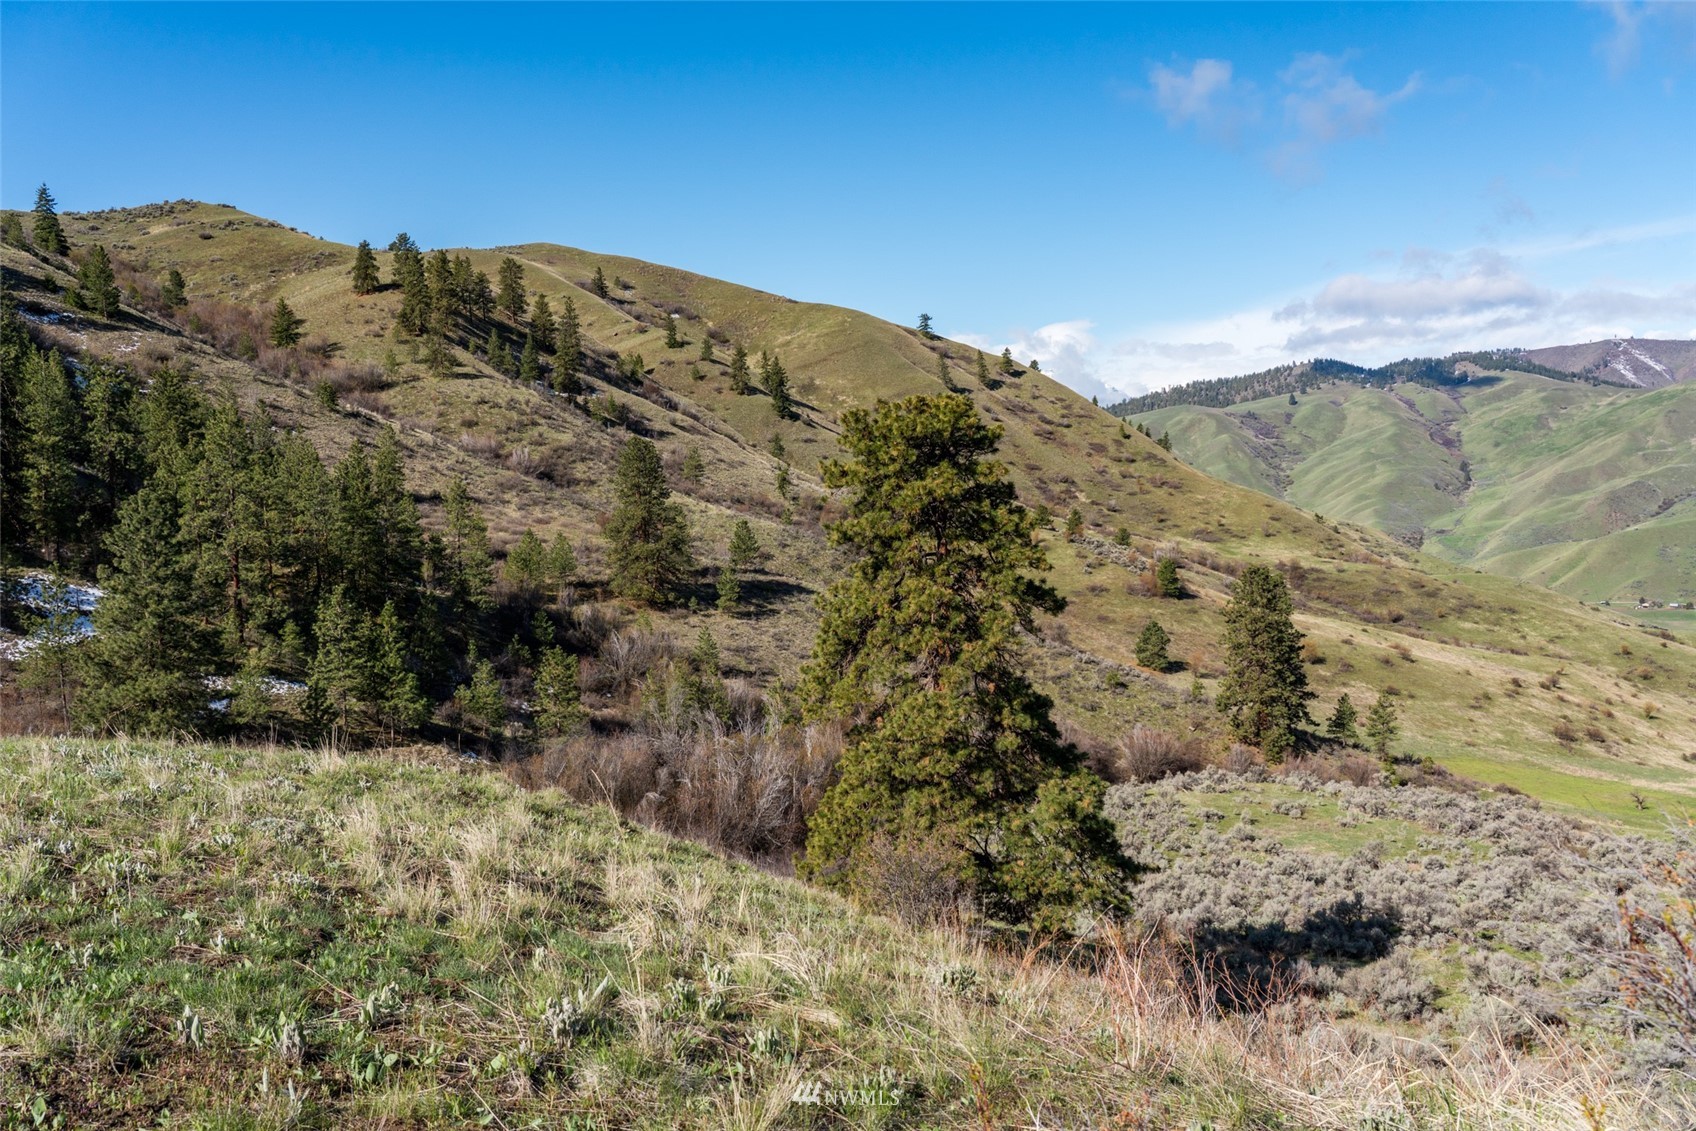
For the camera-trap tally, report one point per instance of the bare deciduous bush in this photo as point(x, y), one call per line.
point(1148, 754)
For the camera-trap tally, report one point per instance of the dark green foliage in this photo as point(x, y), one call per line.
point(729, 589)
point(1151, 647)
point(983, 370)
point(414, 317)
point(393, 688)
point(510, 299)
point(175, 291)
point(481, 701)
point(1341, 725)
point(465, 547)
point(694, 468)
point(777, 450)
point(631, 366)
point(673, 340)
point(647, 536)
point(365, 277)
point(144, 671)
point(924, 326)
point(500, 358)
point(743, 546)
point(286, 326)
point(96, 289)
point(559, 706)
point(530, 362)
point(706, 347)
point(49, 236)
point(542, 323)
point(739, 382)
point(1008, 368)
point(1167, 583)
point(12, 231)
point(1165, 440)
point(1074, 525)
point(46, 461)
point(341, 665)
point(1381, 727)
point(526, 568)
point(1264, 691)
point(704, 682)
point(951, 752)
point(599, 283)
point(945, 374)
point(776, 380)
point(560, 563)
point(568, 352)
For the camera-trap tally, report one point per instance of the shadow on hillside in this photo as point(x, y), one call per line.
point(763, 596)
point(1251, 965)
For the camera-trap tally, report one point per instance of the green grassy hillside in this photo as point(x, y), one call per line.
point(1590, 490)
point(217, 938)
point(1492, 677)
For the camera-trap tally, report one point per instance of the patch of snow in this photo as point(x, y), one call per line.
point(271, 685)
point(51, 319)
point(31, 590)
point(1619, 366)
point(1649, 361)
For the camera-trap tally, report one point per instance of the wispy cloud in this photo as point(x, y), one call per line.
point(1323, 103)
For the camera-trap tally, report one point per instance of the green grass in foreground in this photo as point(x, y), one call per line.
point(217, 938)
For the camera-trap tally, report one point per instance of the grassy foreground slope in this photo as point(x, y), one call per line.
point(222, 938)
point(1509, 683)
point(1589, 490)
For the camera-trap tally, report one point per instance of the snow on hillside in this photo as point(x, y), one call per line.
point(65, 606)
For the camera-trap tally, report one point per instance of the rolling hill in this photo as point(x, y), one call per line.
point(1500, 681)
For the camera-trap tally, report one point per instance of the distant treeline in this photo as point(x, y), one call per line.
point(1300, 377)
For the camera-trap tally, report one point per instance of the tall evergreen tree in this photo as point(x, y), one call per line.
point(1167, 583)
point(1264, 690)
point(96, 289)
point(414, 316)
point(951, 751)
point(568, 354)
point(145, 668)
point(466, 543)
point(530, 362)
point(647, 536)
point(560, 564)
point(365, 277)
point(526, 567)
point(1341, 725)
point(599, 283)
point(341, 665)
point(1381, 727)
point(559, 705)
point(776, 381)
point(945, 373)
point(744, 548)
point(924, 327)
point(175, 291)
point(728, 588)
point(673, 340)
point(482, 701)
point(394, 689)
point(983, 370)
point(542, 322)
point(49, 235)
point(1151, 647)
point(285, 325)
point(706, 353)
point(1008, 368)
point(510, 299)
point(111, 437)
point(12, 231)
point(52, 428)
point(739, 382)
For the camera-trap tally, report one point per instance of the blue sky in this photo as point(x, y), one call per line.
point(1135, 194)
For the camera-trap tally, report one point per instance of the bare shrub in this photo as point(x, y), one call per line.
point(916, 879)
point(1148, 754)
point(480, 444)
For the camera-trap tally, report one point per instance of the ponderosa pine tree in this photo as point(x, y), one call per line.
point(144, 670)
point(983, 370)
point(694, 467)
point(744, 548)
point(341, 664)
point(12, 231)
point(568, 354)
point(1008, 368)
point(1381, 727)
point(598, 284)
point(739, 383)
point(96, 289)
point(706, 353)
point(1151, 647)
point(560, 564)
point(924, 327)
point(1167, 583)
point(481, 700)
point(776, 380)
point(414, 316)
point(510, 298)
point(49, 235)
point(525, 568)
point(1264, 691)
point(728, 588)
point(945, 373)
point(559, 703)
point(647, 536)
point(52, 429)
point(286, 325)
point(530, 362)
point(470, 568)
point(174, 293)
point(542, 323)
point(1340, 727)
point(393, 689)
point(365, 277)
point(952, 755)
point(673, 340)
point(111, 439)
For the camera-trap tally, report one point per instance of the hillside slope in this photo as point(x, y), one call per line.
point(1460, 652)
point(1590, 490)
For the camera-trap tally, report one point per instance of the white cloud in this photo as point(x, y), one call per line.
point(1323, 103)
point(1673, 25)
point(1066, 350)
point(1205, 96)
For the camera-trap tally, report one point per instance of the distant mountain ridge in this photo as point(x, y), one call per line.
point(1642, 363)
